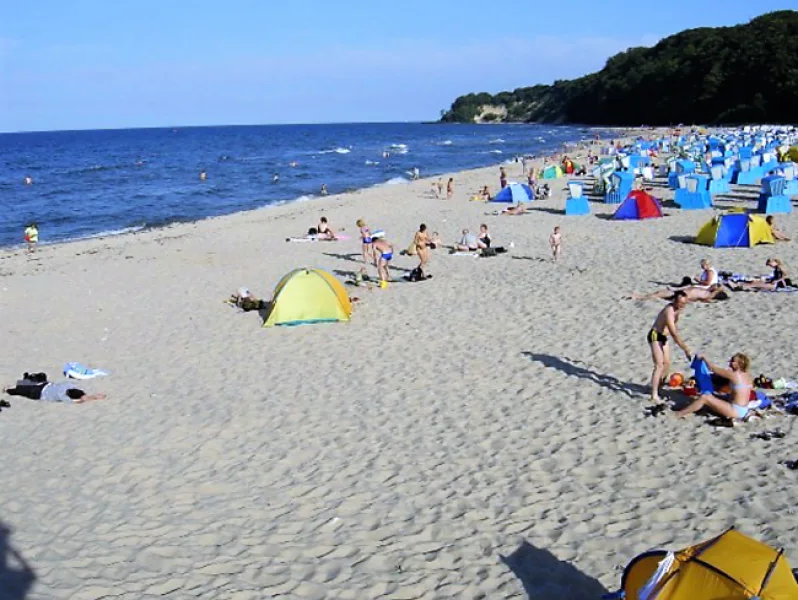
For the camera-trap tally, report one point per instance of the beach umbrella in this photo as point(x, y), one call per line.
point(513, 193)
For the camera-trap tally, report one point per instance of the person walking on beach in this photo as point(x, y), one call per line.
point(32, 236)
point(365, 241)
point(439, 185)
point(420, 241)
point(657, 338)
point(502, 178)
point(383, 253)
point(555, 241)
point(450, 188)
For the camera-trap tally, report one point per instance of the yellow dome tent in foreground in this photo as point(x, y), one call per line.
point(308, 296)
point(731, 566)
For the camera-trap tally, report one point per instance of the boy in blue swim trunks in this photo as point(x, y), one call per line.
point(383, 253)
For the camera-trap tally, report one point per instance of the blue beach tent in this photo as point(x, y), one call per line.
point(514, 193)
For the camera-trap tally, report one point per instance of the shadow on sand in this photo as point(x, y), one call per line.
point(356, 257)
point(573, 369)
point(543, 575)
point(16, 576)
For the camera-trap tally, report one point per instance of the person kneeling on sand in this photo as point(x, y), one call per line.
point(741, 385)
point(694, 293)
point(53, 392)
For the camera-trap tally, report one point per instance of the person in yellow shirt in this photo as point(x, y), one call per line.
point(32, 236)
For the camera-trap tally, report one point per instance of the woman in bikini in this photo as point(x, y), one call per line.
point(741, 385)
point(365, 241)
point(775, 282)
point(420, 241)
point(483, 240)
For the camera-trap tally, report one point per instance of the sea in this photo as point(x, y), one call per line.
point(108, 182)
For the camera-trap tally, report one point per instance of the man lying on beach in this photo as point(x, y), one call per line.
point(777, 234)
point(520, 209)
point(694, 293)
point(657, 339)
point(53, 392)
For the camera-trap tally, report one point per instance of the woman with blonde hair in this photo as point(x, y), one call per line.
point(365, 241)
point(776, 281)
point(736, 407)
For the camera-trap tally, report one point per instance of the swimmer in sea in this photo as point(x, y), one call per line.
point(203, 175)
point(28, 180)
point(275, 178)
point(323, 189)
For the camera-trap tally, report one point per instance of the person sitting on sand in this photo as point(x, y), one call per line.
point(53, 392)
point(657, 338)
point(741, 385)
point(383, 254)
point(708, 276)
point(778, 235)
point(468, 242)
point(324, 230)
point(483, 239)
point(695, 293)
point(435, 241)
point(778, 280)
point(485, 194)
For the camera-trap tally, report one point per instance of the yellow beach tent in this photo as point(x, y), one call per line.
point(731, 566)
point(735, 230)
point(552, 172)
point(308, 296)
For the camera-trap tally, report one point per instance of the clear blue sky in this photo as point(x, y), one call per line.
point(79, 64)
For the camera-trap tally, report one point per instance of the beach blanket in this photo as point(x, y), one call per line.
point(463, 253)
point(316, 238)
point(75, 370)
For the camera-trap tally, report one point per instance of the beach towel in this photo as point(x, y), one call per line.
point(75, 370)
point(703, 376)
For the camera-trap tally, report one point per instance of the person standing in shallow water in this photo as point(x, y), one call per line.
point(32, 236)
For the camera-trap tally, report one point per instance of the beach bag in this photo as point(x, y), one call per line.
point(485, 252)
point(416, 275)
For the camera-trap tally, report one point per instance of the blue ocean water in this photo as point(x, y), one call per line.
point(89, 183)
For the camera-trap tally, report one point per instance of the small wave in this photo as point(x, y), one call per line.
point(396, 181)
point(101, 234)
point(445, 143)
point(398, 146)
point(303, 198)
point(336, 151)
point(496, 141)
point(372, 162)
point(495, 152)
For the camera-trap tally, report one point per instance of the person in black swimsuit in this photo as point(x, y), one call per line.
point(775, 282)
point(657, 339)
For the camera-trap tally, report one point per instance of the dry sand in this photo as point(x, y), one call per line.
point(477, 435)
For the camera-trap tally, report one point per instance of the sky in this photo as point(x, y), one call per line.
point(96, 64)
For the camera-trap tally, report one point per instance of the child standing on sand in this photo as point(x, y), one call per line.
point(32, 236)
point(365, 240)
point(555, 241)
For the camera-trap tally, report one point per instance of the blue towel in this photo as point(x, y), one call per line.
point(75, 370)
point(703, 376)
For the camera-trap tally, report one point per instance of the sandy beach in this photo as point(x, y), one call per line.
point(477, 435)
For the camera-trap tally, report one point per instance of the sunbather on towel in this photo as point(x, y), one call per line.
point(53, 392)
point(778, 280)
point(694, 293)
point(778, 235)
point(736, 407)
point(520, 209)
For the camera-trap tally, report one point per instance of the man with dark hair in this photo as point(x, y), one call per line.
point(52, 392)
point(657, 339)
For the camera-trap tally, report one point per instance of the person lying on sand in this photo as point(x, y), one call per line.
point(520, 209)
point(53, 392)
point(735, 407)
point(778, 235)
point(244, 300)
point(657, 338)
point(435, 241)
point(694, 293)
